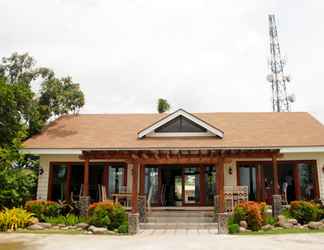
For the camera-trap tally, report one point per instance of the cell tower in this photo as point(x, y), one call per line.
point(280, 100)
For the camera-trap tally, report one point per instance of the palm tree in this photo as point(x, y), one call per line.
point(163, 105)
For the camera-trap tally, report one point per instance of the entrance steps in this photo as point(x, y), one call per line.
point(179, 219)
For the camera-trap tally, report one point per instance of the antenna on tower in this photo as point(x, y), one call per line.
point(280, 100)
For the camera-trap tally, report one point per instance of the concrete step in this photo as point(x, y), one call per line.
point(167, 226)
point(181, 214)
point(180, 219)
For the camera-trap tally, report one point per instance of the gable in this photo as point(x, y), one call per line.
point(179, 124)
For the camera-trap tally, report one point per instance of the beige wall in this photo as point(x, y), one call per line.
point(228, 179)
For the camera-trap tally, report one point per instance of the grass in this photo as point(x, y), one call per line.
point(283, 231)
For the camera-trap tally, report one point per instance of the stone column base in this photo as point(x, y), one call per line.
point(222, 219)
point(276, 205)
point(84, 205)
point(133, 223)
point(216, 207)
point(142, 208)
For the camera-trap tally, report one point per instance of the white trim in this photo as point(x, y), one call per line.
point(189, 134)
point(45, 151)
point(302, 150)
point(148, 131)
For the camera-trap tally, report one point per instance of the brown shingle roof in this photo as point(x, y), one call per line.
point(241, 130)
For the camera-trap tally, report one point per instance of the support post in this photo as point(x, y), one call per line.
point(135, 188)
point(220, 185)
point(85, 198)
point(276, 197)
point(133, 217)
point(86, 178)
point(297, 181)
point(275, 175)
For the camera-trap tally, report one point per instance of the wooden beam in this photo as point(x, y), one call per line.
point(134, 187)
point(275, 175)
point(86, 178)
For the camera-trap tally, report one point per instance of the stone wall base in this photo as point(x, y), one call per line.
point(276, 205)
point(222, 219)
point(142, 208)
point(133, 223)
point(84, 205)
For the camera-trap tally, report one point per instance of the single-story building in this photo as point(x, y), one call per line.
point(181, 159)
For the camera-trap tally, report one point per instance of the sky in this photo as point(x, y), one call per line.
point(202, 56)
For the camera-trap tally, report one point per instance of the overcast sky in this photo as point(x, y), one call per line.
point(202, 56)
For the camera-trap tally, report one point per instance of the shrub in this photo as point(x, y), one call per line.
point(123, 229)
point(108, 214)
point(118, 217)
point(42, 208)
point(270, 220)
point(108, 205)
point(304, 211)
point(252, 212)
point(14, 218)
point(16, 186)
point(100, 217)
point(233, 228)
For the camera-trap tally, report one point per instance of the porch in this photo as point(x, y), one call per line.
point(149, 180)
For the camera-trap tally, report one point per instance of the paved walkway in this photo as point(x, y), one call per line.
point(160, 240)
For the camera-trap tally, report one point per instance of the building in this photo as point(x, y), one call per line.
point(180, 159)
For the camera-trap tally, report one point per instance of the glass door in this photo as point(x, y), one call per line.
point(152, 185)
point(191, 184)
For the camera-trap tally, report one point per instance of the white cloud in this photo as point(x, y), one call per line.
point(200, 55)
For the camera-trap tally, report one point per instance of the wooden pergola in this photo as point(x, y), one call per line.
point(140, 158)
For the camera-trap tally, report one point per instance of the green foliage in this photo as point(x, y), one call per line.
point(270, 220)
point(24, 113)
point(100, 217)
point(108, 214)
point(42, 209)
point(21, 108)
point(16, 186)
point(12, 219)
point(233, 228)
point(252, 212)
point(69, 219)
point(55, 220)
point(304, 211)
point(163, 105)
point(118, 217)
point(123, 229)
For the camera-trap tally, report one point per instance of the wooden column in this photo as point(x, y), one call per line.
point(202, 185)
point(142, 179)
point(275, 175)
point(68, 182)
point(297, 181)
point(259, 187)
point(220, 184)
point(86, 178)
point(134, 187)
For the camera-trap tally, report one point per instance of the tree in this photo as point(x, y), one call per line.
point(163, 105)
point(57, 96)
point(24, 113)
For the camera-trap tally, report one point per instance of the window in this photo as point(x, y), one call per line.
point(59, 174)
point(180, 124)
point(307, 182)
point(117, 179)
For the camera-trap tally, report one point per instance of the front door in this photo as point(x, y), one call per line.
point(174, 185)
